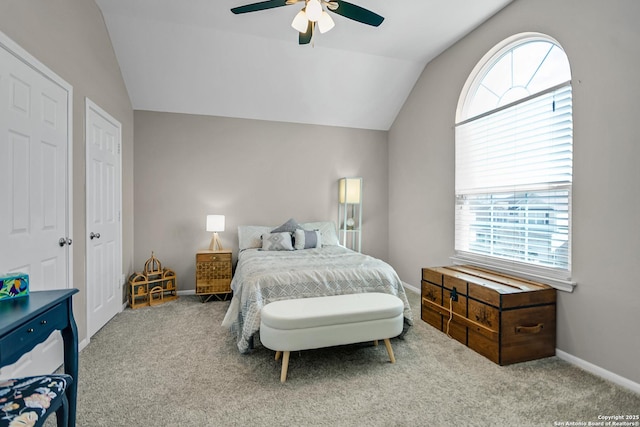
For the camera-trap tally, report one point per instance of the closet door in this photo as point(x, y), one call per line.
point(34, 220)
point(103, 195)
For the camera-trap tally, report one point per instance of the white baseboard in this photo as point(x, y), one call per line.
point(598, 371)
point(187, 292)
point(411, 287)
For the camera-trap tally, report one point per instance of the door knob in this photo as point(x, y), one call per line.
point(65, 241)
point(92, 235)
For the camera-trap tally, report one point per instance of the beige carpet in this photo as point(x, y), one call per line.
point(174, 365)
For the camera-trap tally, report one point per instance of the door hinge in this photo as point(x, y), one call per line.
point(118, 148)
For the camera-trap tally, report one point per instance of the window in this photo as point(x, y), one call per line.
point(514, 160)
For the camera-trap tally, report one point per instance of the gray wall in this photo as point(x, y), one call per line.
point(70, 37)
point(599, 321)
point(253, 172)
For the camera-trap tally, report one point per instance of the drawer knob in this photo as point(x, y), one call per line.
point(29, 330)
point(43, 322)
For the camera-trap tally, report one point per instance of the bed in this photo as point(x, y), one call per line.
point(263, 276)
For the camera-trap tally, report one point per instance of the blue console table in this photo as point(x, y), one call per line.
point(29, 320)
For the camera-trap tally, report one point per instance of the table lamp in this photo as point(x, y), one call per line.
point(215, 223)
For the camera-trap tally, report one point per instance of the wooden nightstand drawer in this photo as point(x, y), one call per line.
point(208, 271)
point(214, 257)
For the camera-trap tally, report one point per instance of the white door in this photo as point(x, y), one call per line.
point(34, 218)
point(104, 235)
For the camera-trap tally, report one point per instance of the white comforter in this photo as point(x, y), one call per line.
point(265, 276)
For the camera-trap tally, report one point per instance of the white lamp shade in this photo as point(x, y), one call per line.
point(350, 190)
point(215, 223)
point(314, 10)
point(300, 22)
point(325, 23)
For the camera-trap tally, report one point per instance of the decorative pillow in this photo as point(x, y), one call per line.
point(250, 236)
point(328, 232)
point(307, 239)
point(290, 226)
point(277, 242)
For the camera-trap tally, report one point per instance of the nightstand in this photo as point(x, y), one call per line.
point(213, 274)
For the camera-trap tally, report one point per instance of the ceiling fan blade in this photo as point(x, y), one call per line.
point(305, 38)
point(357, 13)
point(254, 7)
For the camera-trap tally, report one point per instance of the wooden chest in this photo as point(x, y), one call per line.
point(504, 318)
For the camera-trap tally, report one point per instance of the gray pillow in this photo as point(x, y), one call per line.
point(307, 239)
point(289, 226)
point(277, 242)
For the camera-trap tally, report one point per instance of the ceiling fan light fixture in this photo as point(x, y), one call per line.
point(314, 10)
point(300, 22)
point(313, 15)
point(325, 23)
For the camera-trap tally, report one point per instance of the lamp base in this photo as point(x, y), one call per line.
point(215, 244)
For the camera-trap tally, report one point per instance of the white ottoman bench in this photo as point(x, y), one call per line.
point(308, 323)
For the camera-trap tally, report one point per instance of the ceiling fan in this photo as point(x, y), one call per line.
point(313, 14)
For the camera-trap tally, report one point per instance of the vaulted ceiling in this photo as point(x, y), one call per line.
point(196, 57)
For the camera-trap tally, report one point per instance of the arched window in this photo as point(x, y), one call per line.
point(514, 160)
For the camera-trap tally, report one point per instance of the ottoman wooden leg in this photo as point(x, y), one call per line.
point(278, 353)
point(387, 343)
point(285, 366)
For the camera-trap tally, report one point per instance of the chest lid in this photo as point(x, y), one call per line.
point(497, 289)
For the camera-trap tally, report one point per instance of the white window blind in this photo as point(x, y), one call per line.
point(513, 182)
